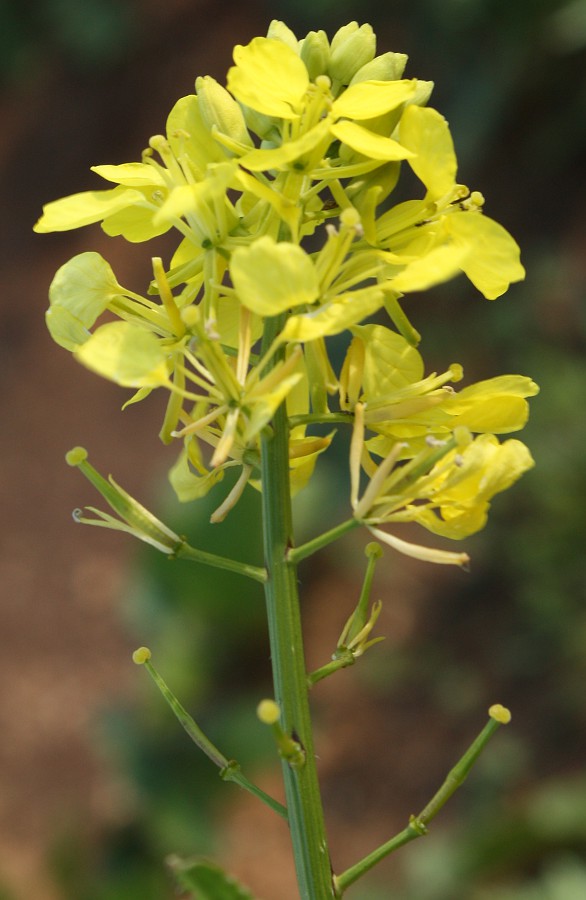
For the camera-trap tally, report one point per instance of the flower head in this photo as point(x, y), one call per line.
point(309, 138)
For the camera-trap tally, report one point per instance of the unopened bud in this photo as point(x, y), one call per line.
point(386, 67)
point(266, 127)
point(218, 108)
point(315, 53)
point(278, 31)
point(422, 93)
point(352, 47)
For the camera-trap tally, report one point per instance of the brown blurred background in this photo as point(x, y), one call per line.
point(97, 784)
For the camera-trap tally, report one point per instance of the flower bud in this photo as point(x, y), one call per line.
point(387, 67)
point(422, 93)
point(315, 53)
point(352, 47)
point(278, 31)
point(266, 127)
point(218, 108)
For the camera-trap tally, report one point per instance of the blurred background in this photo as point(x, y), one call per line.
point(97, 783)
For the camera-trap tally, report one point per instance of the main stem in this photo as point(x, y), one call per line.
point(306, 820)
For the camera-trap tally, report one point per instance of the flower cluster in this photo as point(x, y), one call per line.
point(279, 187)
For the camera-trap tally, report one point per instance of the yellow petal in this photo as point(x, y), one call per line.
point(436, 266)
point(492, 262)
point(131, 174)
point(280, 157)
point(426, 133)
point(126, 354)
point(85, 208)
point(496, 405)
point(370, 144)
point(269, 77)
point(187, 484)
point(189, 137)
point(390, 362)
point(335, 316)
point(135, 224)
point(368, 99)
point(271, 277)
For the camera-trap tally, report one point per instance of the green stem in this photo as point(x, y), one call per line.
point(186, 551)
point(417, 826)
point(296, 554)
point(341, 662)
point(306, 820)
point(229, 768)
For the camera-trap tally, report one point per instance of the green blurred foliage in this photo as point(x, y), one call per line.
point(89, 34)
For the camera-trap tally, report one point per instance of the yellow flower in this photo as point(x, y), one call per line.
point(447, 231)
point(131, 209)
point(447, 487)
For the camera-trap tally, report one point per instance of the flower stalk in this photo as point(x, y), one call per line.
point(304, 805)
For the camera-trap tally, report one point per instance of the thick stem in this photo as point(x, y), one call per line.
point(306, 820)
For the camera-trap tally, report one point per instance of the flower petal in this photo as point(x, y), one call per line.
point(85, 208)
point(269, 77)
point(426, 133)
point(271, 277)
point(367, 142)
point(493, 259)
point(333, 317)
point(126, 354)
point(368, 99)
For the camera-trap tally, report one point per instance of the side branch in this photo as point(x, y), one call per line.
point(417, 826)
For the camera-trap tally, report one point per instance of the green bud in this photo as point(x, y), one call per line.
point(387, 67)
point(315, 53)
point(278, 31)
point(342, 35)
point(422, 93)
point(384, 179)
point(351, 49)
point(266, 127)
point(218, 108)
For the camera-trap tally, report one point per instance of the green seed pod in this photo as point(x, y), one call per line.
point(218, 108)
point(350, 52)
point(386, 67)
point(315, 53)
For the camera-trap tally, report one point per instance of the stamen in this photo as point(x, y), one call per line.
point(417, 551)
point(376, 483)
point(356, 445)
point(233, 497)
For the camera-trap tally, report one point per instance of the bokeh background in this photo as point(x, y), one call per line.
point(97, 783)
